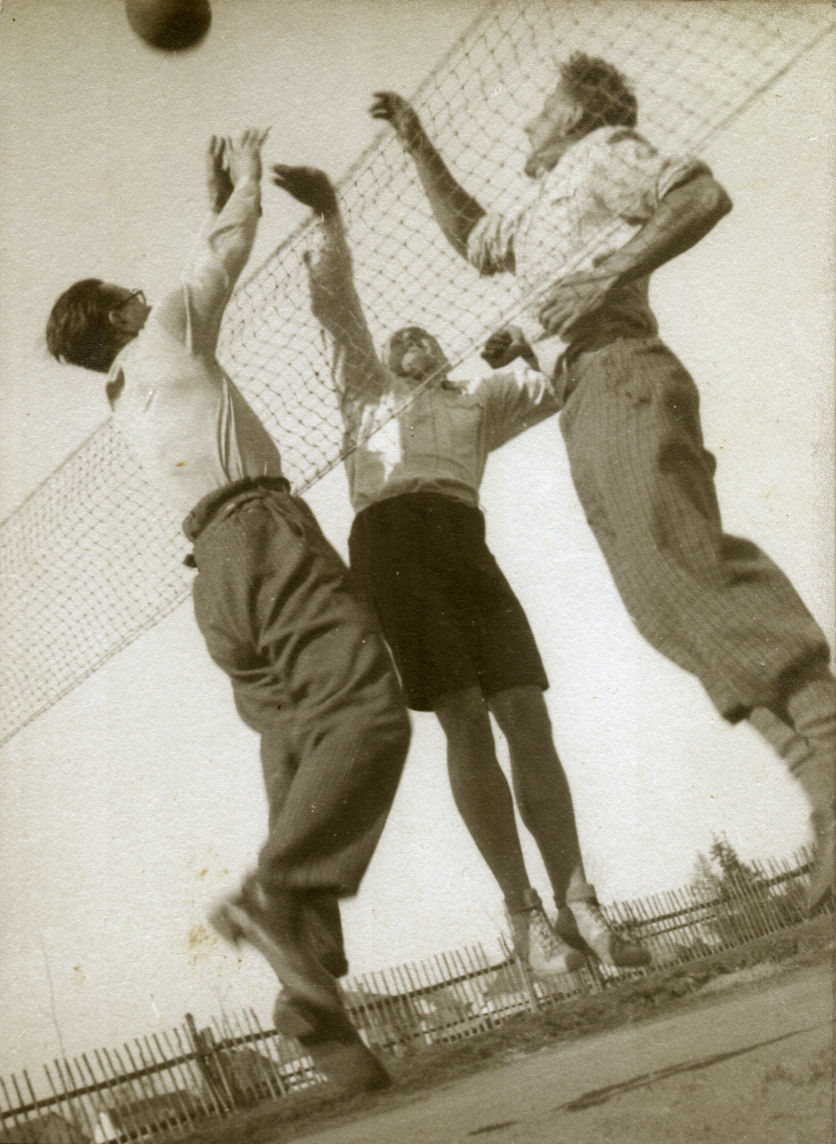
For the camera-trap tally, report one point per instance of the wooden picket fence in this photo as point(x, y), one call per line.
point(164, 1083)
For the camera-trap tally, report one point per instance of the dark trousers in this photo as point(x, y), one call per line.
point(310, 673)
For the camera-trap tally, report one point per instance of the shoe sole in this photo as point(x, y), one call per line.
point(574, 962)
point(632, 961)
point(353, 1067)
point(635, 961)
point(337, 1049)
point(308, 982)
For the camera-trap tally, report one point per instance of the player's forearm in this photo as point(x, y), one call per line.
point(194, 311)
point(233, 232)
point(685, 215)
point(336, 305)
point(334, 300)
point(455, 210)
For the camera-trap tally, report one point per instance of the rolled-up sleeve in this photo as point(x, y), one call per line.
point(630, 177)
point(490, 244)
point(516, 399)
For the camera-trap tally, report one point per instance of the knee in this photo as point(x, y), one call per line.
point(522, 714)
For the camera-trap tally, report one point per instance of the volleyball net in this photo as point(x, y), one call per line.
point(94, 556)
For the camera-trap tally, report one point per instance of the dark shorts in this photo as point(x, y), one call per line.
point(446, 610)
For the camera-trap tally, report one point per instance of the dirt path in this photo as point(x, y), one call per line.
point(752, 1064)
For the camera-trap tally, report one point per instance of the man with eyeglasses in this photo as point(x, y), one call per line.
point(308, 668)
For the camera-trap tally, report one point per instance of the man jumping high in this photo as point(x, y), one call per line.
point(604, 210)
point(458, 633)
point(309, 671)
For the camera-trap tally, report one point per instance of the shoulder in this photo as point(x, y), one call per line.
point(606, 143)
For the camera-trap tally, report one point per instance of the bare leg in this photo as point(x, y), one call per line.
point(483, 798)
point(481, 791)
point(545, 803)
point(541, 787)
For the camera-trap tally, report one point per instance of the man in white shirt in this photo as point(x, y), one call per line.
point(416, 448)
point(603, 211)
point(308, 669)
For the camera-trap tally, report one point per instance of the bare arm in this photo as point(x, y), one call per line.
point(455, 210)
point(334, 298)
point(684, 215)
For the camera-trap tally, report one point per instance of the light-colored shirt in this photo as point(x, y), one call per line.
point(397, 441)
point(182, 416)
point(597, 197)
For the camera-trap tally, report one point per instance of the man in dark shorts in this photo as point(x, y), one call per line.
point(459, 636)
point(308, 668)
point(604, 209)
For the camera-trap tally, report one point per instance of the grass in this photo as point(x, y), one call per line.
point(620, 1004)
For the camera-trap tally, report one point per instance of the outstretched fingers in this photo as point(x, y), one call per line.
point(216, 148)
point(307, 184)
point(394, 109)
point(255, 136)
point(386, 104)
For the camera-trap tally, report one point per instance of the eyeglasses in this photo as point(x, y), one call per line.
point(138, 294)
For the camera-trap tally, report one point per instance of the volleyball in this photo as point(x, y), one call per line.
point(170, 25)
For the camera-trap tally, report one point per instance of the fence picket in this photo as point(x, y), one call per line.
point(72, 1112)
point(168, 1083)
point(9, 1113)
point(195, 1075)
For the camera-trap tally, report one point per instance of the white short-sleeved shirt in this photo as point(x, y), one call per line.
point(599, 194)
point(183, 418)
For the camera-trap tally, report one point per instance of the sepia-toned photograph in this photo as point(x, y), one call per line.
point(417, 504)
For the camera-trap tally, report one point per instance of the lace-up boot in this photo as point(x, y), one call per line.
point(537, 943)
point(581, 923)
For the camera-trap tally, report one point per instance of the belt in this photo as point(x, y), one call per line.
point(221, 502)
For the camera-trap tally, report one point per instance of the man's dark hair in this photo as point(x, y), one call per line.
point(600, 90)
point(79, 330)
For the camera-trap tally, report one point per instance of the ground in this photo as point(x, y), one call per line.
point(746, 1058)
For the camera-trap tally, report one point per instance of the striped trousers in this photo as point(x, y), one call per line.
point(713, 603)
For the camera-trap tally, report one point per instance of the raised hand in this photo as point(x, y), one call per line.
point(218, 182)
point(243, 154)
point(307, 185)
point(394, 109)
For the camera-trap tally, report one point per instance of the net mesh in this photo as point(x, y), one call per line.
point(94, 556)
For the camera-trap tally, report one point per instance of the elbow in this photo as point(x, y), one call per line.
point(702, 201)
point(716, 202)
point(722, 201)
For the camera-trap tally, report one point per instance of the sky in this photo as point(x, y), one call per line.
point(137, 799)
